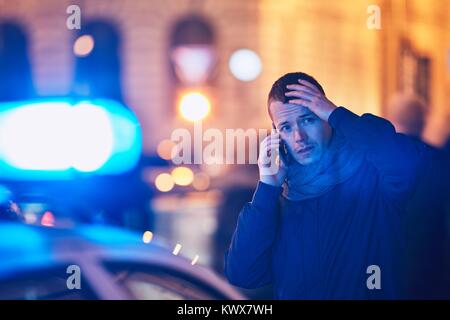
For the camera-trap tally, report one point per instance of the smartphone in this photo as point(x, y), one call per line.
point(284, 155)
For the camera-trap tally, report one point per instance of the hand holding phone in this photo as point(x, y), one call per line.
point(272, 166)
point(283, 151)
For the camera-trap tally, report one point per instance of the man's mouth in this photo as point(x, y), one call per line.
point(304, 149)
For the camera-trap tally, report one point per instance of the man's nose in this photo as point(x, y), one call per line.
point(300, 135)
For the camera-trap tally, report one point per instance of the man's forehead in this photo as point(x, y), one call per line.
point(284, 111)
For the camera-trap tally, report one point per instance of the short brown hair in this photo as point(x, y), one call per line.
point(279, 87)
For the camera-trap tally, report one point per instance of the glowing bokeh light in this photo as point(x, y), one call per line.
point(83, 45)
point(201, 181)
point(48, 220)
point(194, 106)
point(147, 237)
point(245, 65)
point(193, 63)
point(194, 261)
point(177, 249)
point(165, 149)
point(164, 182)
point(30, 217)
point(182, 176)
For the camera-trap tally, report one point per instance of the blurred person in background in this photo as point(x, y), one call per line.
point(408, 114)
point(426, 221)
point(326, 224)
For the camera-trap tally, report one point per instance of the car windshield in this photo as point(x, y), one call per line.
point(156, 283)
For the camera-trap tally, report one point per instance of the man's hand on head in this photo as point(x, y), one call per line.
point(307, 95)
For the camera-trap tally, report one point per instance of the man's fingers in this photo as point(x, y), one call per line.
point(273, 138)
point(309, 85)
point(266, 140)
point(295, 87)
point(301, 102)
point(268, 144)
point(272, 145)
point(267, 147)
point(299, 87)
point(300, 94)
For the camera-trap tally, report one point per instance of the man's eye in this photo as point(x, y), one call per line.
point(285, 128)
point(307, 120)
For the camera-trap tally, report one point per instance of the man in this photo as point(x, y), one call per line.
point(327, 223)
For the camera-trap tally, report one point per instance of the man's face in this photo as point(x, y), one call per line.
point(306, 136)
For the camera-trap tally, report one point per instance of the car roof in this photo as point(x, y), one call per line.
point(22, 244)
point(26, 248)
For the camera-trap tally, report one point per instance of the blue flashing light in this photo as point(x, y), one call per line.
point(46, 139)
point(5, 195)
point(22, 246)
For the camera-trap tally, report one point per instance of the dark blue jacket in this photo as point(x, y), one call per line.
point(321, 248)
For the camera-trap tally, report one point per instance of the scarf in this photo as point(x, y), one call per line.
point(338, 163)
